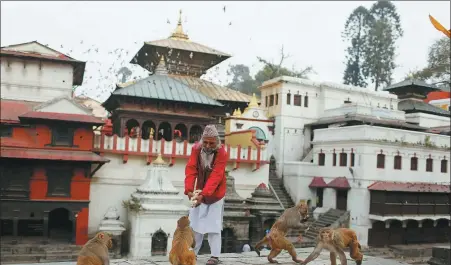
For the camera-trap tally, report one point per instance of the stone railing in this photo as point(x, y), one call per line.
point(381, 134)
point(171, 149)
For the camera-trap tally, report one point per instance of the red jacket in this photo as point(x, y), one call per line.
point(215, 186)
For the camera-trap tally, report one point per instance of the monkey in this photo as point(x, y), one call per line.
point(293, 217)
point(180, 253)
point(95, 251)
point(335, 240)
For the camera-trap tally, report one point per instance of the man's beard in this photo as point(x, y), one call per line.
point(206, 157)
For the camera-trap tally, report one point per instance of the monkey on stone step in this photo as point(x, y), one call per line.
point(95, 251)
point(335, 240)
point(293, 217)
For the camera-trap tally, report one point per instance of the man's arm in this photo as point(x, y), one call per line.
point(217, 173)
point(191, 171)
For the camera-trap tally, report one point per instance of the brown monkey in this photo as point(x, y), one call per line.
point(276, 238)
point(335, 240)
point(95, 251)
point(183, 239)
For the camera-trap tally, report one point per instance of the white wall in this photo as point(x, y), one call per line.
point(298, 175)
point(121, 180)
point(428, 120)
point(27, 80)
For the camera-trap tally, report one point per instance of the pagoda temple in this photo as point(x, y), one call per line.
point(173, 102)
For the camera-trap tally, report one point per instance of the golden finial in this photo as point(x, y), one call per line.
point(253, 103)
point(159, 160)
point(238, 112)
point(178, 33)
point(234, 113)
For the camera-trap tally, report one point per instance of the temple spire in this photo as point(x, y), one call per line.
point(178, 33)
point(253, 103)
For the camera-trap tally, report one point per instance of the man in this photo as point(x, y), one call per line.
point(207, 164)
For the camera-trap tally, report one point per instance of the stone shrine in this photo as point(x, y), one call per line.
point(266, 209)
point(237, 218)
point(112, 225)
point(153, 212)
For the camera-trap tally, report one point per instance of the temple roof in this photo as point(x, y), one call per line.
point(411, 86)
point(183, 56)
point(212, 90)
point(413, 106)
point(263, 201)
point(166, 88)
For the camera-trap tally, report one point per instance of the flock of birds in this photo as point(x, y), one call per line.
point(103, 67)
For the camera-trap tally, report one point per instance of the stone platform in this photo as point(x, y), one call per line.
point(249, 258)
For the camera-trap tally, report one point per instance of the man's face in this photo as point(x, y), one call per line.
point(209, 144)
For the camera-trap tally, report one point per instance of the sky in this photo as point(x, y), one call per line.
point(108, 34)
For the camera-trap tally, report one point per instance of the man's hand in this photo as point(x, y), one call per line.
point(190, 195)
point(199, 200)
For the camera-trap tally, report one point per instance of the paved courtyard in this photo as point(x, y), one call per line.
point(249, 258)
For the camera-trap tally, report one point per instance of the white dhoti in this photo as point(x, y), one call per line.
point(207, 219)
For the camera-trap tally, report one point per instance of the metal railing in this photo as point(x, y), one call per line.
point(275, 194)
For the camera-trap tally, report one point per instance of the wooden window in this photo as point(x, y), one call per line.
point(297, 100)
point(397, 163)
point(352, 159)
point(306, 101)
point(321, 159)
point(414, 163)
point(288, 99)
point(343, 159)
point(444, 166)
point(271, 100)
point(380, 161)
point(334, 159)
point(59, 182)
point(62, 136)
point(266, 101)
point(277, 99)
point(14, 181)
point(6, 131)
point(429, 165)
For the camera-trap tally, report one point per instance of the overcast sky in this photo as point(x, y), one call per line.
point(309, 31)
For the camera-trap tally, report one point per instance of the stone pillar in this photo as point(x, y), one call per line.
point(45, 228)
point(74, 226)
point(15, 230)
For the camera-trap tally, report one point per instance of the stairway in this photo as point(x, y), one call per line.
point(38, 253)
point(325, 220)
point(280, 191)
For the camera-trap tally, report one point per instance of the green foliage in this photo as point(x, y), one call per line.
point(356, 28)
point(385, 29)
point(438, 68)
point(372, 35)
point(125, 72)
point(133, 205)
point(243, 81)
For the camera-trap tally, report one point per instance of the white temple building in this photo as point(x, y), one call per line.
point(366, 152)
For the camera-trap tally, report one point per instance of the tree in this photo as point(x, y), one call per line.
point(125, 72)
point(271, 70)
point(242, 79)
point(384, 30)
point(356, 29)
point(438, 68)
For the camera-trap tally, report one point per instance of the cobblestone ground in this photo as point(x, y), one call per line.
point(249, 258)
